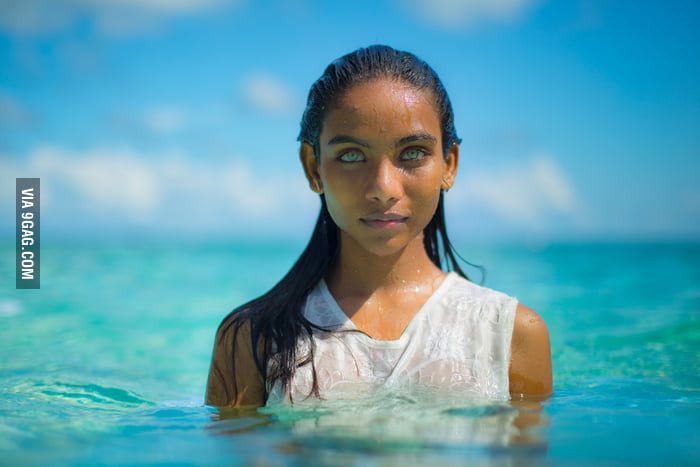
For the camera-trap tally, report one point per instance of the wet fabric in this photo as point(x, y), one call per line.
point(458, 341)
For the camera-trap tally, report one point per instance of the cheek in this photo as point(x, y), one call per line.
point(336, 207)
point(338, 195)
point(431, 204)
point(341, 185)
point(425, 188)
point(425, 197)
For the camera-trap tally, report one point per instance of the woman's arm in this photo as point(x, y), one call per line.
point(234, 379)
point(530, 372)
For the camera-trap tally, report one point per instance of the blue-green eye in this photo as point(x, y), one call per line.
point(414, 154)
point(351, 156)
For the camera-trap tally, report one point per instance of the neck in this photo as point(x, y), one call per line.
point(359, 272)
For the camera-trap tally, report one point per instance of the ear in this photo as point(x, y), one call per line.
point(311, 167)
point(451, 163)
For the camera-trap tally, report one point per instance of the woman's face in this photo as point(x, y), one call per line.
point(381, 165)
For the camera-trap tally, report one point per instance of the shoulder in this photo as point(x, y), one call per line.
point(528, 324)
point(231, 333)
point(234, 379)
point(530, 362)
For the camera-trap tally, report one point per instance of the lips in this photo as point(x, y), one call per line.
point(384, 221)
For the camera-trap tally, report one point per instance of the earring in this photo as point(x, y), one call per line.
point(447, 185)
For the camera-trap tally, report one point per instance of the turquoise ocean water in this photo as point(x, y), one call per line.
point(106, 364)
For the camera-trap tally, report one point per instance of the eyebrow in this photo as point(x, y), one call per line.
point(343, 139)
point(416, 137)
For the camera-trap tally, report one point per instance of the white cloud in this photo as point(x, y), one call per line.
point(553, 185)
point(457, 14)
point(113, 17)
point(9, 170)
point(269, 95)
point(164, 120)
point(526, 193)
point(116, 187)
point(165, 6)
point(113, 180)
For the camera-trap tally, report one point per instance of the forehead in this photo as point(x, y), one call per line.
point(382, 106)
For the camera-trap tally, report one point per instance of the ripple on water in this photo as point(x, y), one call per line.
point(85, 394)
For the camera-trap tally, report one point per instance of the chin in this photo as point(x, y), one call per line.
point(384, 251)
point(387, 247)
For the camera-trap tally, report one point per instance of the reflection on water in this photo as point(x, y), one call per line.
point(401, 426)
point(235, 420)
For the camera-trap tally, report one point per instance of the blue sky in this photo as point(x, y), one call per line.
point(579, 119)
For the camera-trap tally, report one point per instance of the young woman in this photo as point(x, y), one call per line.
point(368, 305)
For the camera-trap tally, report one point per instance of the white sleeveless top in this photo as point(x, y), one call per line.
point(458, 341)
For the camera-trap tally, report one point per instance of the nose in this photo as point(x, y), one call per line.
point(384, 184)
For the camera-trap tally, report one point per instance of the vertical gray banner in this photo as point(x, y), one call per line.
point(27, 245)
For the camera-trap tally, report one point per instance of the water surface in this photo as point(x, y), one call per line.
point(106, 364)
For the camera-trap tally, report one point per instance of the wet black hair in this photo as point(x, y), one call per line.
point(276, 319)
point(362, 65)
